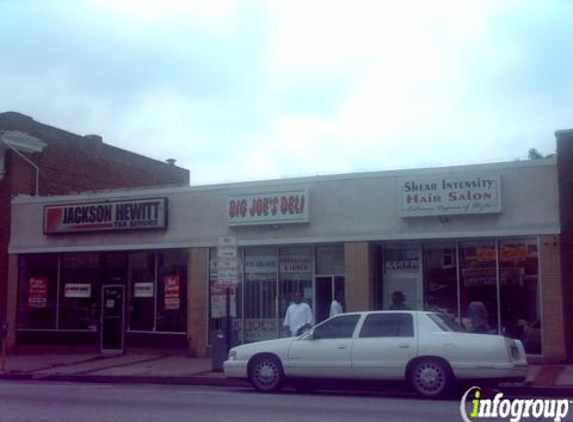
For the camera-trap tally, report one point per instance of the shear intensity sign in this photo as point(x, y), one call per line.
point(450, 195)
point(114, 215)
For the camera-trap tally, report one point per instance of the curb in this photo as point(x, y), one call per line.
point(114, 379)
point(539, 390)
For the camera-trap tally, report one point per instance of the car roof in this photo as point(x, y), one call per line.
point(389, 311)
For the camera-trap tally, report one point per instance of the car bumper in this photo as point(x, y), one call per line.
point(509, 372)
point(235, 368)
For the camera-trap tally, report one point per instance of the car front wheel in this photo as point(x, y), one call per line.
point(266, 373)
point(430, 378)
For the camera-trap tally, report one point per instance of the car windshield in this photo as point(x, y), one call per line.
point(446, 322)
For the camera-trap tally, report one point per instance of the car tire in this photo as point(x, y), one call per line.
point(266, 373)
point(431, 378)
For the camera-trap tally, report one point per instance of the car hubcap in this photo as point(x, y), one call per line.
point(429, 378)
point(267, 374)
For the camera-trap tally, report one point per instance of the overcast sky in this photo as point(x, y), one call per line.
point(250, 90)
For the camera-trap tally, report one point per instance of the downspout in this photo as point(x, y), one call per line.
point(30, 162)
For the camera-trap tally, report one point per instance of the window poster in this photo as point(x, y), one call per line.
point(78, 290)
point(172, 285)
point(38, 292)
point(143, 289)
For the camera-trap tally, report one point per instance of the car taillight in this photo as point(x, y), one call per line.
point(513, 350)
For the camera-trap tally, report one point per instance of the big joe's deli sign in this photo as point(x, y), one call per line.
point(269, 208)
point(450, 194)
point(106, 215)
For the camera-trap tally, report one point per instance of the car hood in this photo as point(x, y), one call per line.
point(278, 346)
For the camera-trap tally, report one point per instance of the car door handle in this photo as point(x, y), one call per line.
point(404, 346)
point(341, 347)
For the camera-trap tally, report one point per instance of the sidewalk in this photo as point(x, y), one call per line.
point(146, 367)
point(161, 367)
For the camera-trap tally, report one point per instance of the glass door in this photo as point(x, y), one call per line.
point(403, 274)
point(326, 289)
point(112, 318)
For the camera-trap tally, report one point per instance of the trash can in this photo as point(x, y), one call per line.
point(219, 350)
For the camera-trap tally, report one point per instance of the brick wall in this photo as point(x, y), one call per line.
point(552, 300)
point(4, 238)
point(71, 163)
point(12, 300)
point(565, 177)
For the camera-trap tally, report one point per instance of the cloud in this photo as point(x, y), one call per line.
point(211, 16)
point(242, 90)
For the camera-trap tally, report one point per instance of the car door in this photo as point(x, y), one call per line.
point(325, 351)
point(385, 344)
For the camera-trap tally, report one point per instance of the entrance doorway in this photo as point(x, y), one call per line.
point(403, 272)
point(112, 319)
point(326, 288)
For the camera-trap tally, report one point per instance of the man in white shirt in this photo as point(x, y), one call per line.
point(298, 314)
point(336, 305)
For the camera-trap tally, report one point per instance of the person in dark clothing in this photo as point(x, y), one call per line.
point(399, 301)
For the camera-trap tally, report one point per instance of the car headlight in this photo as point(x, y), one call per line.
point(232, 354)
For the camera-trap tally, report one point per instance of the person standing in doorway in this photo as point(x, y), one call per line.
point(298, 316)
point(336, 305)
point(399, 301)
point(477, 313)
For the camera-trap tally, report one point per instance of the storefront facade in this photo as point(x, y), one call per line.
point(444, 237)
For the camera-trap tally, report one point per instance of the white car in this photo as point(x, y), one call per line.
point(424, 348)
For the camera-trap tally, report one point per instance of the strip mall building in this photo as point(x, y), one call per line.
point(150, 259)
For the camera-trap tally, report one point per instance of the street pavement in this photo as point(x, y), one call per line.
point(30, 401)
point(169, 368)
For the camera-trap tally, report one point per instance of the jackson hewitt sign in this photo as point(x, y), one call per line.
point(110, 215)
point(450, 195)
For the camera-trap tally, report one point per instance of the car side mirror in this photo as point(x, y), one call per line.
point(314, 336)
point(309, 335)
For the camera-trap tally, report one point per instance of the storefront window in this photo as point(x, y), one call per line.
point(38, 289)
point(479, 286)
point(441, 278)
point(142, 291)
point(259, 316)
point(268, 278)
point(519, 294)
point(79, 291)
point(295, 275)
point(330, 260)
point(172, 291)
point(403, 273)
point(113, 267)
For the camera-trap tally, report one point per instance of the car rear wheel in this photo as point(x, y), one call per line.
point(431, 378)
point(266, 373)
